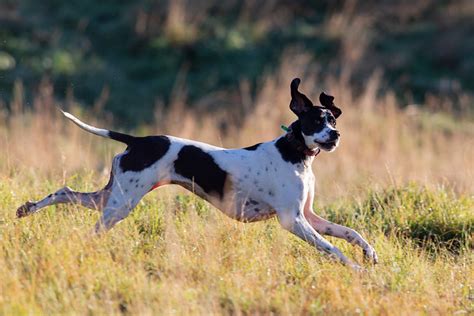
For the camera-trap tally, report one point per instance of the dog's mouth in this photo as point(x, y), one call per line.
point(329, 145)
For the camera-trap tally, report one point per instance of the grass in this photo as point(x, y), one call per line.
point(176, 254)
point(402, 177)
point(430, 219)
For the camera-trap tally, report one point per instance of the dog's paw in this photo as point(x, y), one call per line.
point(357, 268)
point(25, 209)
point(370, 255)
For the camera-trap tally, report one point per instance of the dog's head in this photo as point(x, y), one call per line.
point(318, 123)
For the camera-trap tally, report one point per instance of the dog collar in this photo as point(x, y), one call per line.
point(284, 128)
point(299, 145)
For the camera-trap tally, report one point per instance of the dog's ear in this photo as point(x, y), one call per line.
point(328, 102)
point(299, 102)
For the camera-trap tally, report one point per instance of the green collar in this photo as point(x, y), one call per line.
point(283, 127)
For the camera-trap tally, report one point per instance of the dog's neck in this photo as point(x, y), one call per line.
point(293, 148)
point(295, 138)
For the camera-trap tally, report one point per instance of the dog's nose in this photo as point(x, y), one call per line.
point(334, 134)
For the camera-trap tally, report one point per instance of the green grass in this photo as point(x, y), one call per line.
point(432, 219)
point(176, 254)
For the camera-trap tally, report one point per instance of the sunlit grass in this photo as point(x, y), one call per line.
point(176, 254)
point(402, 178)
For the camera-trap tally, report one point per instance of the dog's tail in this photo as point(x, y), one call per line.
point(124, 138)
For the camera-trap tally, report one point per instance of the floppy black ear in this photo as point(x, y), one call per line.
point(299, 102)
point(328, 102)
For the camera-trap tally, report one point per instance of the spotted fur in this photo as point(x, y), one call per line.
point(248, 184)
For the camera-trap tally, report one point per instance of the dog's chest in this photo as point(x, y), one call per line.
point(246, 184)
point(262, 175)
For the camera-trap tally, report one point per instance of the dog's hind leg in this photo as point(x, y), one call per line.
point(93, 200)
point(120, 203)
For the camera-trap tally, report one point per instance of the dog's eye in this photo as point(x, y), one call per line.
point(332, 121)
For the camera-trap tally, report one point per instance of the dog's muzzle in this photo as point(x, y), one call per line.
point(332, 143)
point(328, 146)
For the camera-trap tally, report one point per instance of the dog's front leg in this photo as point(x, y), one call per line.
point(295, 222)
point(328, 228)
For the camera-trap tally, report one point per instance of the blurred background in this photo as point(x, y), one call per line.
point(219, 71)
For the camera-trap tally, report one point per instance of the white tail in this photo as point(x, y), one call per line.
point(91, 129)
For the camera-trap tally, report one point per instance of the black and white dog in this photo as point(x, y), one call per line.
point(248, 184)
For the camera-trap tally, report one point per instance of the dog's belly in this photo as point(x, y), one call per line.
point(244, 210)
point(234, 204)
point(252, 210)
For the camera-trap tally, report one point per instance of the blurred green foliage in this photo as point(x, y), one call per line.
point(137, 49)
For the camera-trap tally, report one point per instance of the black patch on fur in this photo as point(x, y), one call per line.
point(328, 102)
point(124, 138)
point(253, 202)
point(143, 152)
point(198, 166)
point(313, 121)
point(253, 147)
point(287, 150)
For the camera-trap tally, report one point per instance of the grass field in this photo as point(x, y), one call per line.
point(403, 178)
point(176, 255)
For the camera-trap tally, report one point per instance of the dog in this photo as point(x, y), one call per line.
point(248, 184)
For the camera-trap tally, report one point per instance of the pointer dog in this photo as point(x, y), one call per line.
point(248, 184)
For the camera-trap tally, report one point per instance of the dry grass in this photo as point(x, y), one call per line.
point(175, 255)
point(382, 141)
